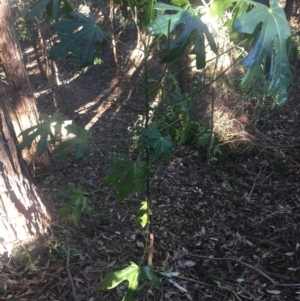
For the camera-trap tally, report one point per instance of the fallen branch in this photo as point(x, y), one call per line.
point(273, 282)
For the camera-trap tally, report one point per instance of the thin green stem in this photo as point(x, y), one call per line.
point(198, 91)
point(212, 123)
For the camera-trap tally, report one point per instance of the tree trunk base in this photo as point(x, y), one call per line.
point(23, 217)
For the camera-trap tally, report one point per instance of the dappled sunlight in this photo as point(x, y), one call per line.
point(136, 59)
point(86, 107)
point(220, 33)
point(103, 107)
point(99, 112)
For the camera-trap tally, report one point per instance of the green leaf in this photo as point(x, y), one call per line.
point(162, 6)
point(129, 177)
point(143, 214)
point(192, 31)
point(78, 36)
point(41, 131)
point(53, 8)
point(146, 273)
point(218, 7)
point(77, 204)
point(154, 88)
point(180, 2)
point(148, 13)
point(80, 141)
point(160, 144)
point(131, 274)
point(273, 37)
point(240, 9)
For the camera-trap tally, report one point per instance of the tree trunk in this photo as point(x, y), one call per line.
point(22, 214)
point(288, 9)
point(22, 109)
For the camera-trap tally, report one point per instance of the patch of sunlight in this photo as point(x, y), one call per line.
point(41, 93)
point(85, 108)
point(84, 9)
point(136, 59)
point(115, 90)
point(221, 36)
point(62, 131)
point(29, 50)
point(103, 107)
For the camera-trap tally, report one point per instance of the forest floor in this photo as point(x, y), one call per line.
point(223, 231)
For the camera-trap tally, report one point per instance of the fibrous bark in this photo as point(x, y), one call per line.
point(22, 109)
point(22, 215)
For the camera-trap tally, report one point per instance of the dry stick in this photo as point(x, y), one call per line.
point(192, 280)
point(236, 295)
point(253, 298)
point(151, 248)
point(212, 124)
point(254, 184)
point(28, 293)
point(68, 270)
point(273, 282)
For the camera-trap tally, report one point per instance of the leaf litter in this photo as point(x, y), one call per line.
point(228, 231)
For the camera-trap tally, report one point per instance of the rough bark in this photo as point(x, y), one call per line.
point(23, 217)
point(22, 109)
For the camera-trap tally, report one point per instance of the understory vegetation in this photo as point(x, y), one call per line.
point(174, 132)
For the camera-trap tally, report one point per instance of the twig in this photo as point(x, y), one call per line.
point(151, 248)
point(273, 282)
point(192, 280)
point(254, 184)
point(253, 298)
point(68, 270)
point(181, 288)
point(28, 293)
point(236, 295)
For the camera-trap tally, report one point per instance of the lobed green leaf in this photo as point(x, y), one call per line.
point(129, 177)
point(78, 36)
point(192, 31)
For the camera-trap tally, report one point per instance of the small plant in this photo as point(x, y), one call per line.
point(133, 274)
point(43, 131)
point(50, 130)
point(171, 122)
point(78, 203)
point(201, 137)
point(59, 246)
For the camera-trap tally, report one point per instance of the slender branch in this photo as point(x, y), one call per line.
point(148, 197)
point(212, 124)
